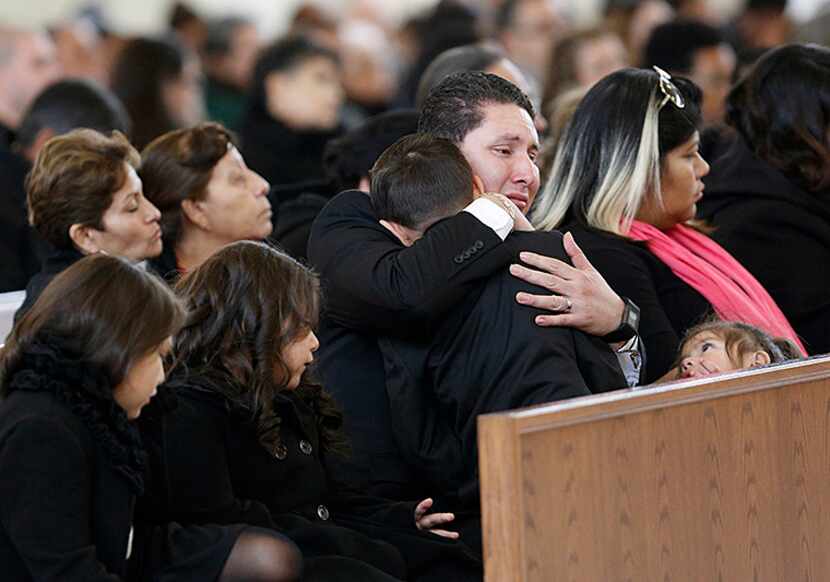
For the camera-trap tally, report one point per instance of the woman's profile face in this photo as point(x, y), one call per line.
point(130, 225)
point(142, 379)
point(297, 356)
point(235, 206)
point(681, 173)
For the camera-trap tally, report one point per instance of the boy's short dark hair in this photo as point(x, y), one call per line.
point(672, 46)
point(453, 108)
point(420, 179)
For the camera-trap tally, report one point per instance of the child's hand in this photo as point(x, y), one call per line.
point(425, 521)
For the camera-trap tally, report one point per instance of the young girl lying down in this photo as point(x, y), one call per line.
point(723, 346)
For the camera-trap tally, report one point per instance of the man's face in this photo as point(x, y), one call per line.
point(502, 151)
point(33, 66)
point(712, 70)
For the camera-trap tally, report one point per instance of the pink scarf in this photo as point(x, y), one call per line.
point(702, 263)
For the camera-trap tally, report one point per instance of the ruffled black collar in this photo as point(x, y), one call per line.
point(87, 391)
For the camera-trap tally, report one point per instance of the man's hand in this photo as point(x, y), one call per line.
point(520, 221)
point(582, 299)
point(429, 521)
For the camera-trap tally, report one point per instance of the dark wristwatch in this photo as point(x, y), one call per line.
point(628, 326)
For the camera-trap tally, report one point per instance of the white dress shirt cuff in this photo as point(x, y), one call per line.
point(492, 215)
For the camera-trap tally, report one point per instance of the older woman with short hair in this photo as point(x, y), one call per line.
point(85, 197)
point(769, 194)
point(208, 197)
point(625, 182)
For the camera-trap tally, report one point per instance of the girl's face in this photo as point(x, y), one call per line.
point(131, 224)
point(141, 381)
point(297, 355)
point(705, 354)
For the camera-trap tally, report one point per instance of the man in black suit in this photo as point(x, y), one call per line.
point(373, 285)
point(486, 355)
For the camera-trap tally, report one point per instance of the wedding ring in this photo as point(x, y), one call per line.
point(568, 305)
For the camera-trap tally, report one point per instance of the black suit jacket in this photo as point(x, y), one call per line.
point(373, 284)
point(487, 356)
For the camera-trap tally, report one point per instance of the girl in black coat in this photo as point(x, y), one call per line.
point(76, 370)
point(255, 435)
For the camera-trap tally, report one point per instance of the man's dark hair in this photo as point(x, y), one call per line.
point(220, 35)
point(454, 107)
point(420, 179)
point(672, 46)
point(72, 104)
point(349, 158)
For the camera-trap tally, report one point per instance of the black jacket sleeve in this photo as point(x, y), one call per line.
point(45, 495)
point(372, 282)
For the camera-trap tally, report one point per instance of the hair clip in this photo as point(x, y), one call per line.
point(669, 89)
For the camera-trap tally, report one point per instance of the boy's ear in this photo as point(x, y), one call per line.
point(478, 186)
point(760, 358)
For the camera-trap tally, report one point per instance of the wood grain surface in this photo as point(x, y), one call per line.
point(726, 479)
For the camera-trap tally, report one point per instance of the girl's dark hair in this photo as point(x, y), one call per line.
point(611, 155)
point(139, 74)
point(245, 304)
point(178, 166)
point(781, 107)
point(741, 338)
point(103, 311)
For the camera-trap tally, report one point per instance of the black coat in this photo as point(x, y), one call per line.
point(779, 232)
point(72, 466)
point(69, 480)
point(209, 440)
point(56, 262)
point(488, 355)
point(373, 284)
point(668, 305)
point(19, 245)
point(280, 154)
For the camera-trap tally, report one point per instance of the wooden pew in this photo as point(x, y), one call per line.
point(724, 479)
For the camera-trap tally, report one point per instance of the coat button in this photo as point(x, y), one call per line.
point(459, 259)
point(281, 453)
point(466, 254)
point(323, 512)
point(479, 245)
point(306, 447)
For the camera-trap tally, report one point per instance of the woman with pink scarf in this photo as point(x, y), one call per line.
point(625, 183)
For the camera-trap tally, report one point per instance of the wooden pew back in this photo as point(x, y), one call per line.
point(720, 479)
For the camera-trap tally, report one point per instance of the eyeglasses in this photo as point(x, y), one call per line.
point(670, 92)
